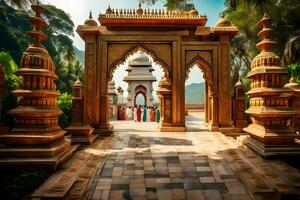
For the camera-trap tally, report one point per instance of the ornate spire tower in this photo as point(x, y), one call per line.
point(36, 139)
point(270, 102)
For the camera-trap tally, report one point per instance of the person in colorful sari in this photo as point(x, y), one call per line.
point(135, 113)
point(157, 114)
point(145, 113)
point(128, 113)
point(148, 113)
point(123, 114)
point(139, 113)
point(119, 113)
point(152, 115)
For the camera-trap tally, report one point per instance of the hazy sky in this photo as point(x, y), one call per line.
point(79, 11)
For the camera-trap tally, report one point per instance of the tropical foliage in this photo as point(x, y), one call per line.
point(14, 24)
point(64, 102)
point(14, 41)
point(294, 70)
point(245, 15)
point(11, 82)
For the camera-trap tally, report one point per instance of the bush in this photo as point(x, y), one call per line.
point(64, 103)
point(11, 83)
point(294, 69)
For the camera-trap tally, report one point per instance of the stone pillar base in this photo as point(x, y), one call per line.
point(232, 131)
point(270, 151)
point(82, 134)
point(47, 156)
point(214, 128)
point(172, 128)
point(104, 131)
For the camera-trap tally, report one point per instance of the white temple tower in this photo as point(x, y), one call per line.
point(140, 79)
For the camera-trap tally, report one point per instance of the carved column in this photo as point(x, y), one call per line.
point(224, 83)
point(36, 140)
point(81, 133)
point(240, 106)
point(224, 30)
point(165, 95)
point(270, 107)
point(215, 113)
point(206, 104)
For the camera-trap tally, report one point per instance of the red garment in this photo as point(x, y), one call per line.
point(123, 114)
point(139, 114)
point(152, 115)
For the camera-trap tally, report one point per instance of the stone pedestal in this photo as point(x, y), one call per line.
point(81, 133)
point(36, 140)
point(270, 103)
point(104, 130)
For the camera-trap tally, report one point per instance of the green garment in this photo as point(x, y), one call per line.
point(145, 114)
point(157, 115)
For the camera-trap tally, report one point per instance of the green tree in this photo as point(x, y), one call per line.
point(14, 25)
point(69, 54)
point(8, 64)
point(294, 70)
point(11, 82)
point(285, 16)
point(78, 70)
point(20, 3)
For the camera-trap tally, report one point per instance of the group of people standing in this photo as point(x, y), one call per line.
point(139, 114)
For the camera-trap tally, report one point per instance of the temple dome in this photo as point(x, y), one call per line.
point(90, 21)
point(140, 59)
point(223, 22)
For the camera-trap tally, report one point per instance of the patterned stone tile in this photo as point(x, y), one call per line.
point(145, 164)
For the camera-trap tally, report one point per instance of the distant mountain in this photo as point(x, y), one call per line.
point(194, 93)
point(79, 54)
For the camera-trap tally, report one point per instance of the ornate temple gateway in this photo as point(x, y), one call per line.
point(175, 40)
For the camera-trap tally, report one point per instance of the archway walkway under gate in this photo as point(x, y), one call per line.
point(142, 163)
point(195, 122)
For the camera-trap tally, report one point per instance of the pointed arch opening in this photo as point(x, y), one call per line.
point(199, 82)
point(138, 75)
point(133, 50)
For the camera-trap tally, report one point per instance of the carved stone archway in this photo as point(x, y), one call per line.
point(133, 50)
point(175, 42)
point(203, 66)
point(207, 71)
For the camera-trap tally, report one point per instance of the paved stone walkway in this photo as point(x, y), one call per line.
point(138, 162)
